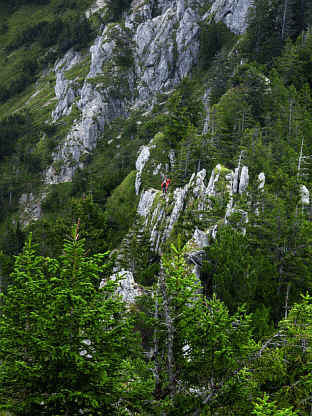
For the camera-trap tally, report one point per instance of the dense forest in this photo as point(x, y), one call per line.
point(235, 338)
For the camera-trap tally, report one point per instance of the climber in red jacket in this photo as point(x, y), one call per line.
point(167, 184)
point(164, 185)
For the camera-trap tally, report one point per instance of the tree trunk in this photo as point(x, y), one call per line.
point(170, 335)
point(284, 19)
point(157, 390)
point(286, 300)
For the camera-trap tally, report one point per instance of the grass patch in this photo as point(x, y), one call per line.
point(80, 71)
point(121, 208)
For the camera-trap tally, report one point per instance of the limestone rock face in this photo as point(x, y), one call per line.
point(65, 90)
point(231, 12)
point(305, 195)
point(162, 39)
point(261, 180)
point(140, 163)
point(167, 47)
point(31, 208)
point(161, 213)
point(98, 106)
point(146, 202)
point(244, 180)
point(95, 7)
point(127, 288)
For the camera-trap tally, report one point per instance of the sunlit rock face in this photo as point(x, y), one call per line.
point(161, 212)
point(167, 47)
point(98, 105)
point(65, 90)
point(305, 195)
point(127, 288)
point(162, 37)
point(140, 163)
point(232, 12)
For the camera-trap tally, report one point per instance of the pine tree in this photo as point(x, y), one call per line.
point(198, 345)
point(66, 346)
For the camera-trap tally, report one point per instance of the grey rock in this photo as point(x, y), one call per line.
point(231, 12)
point(244, 180)
point(167, 47)
point(30, 206)
point(140, 163)
point(195, 258)
point(261, 180)
point(305, 195)
point(157, 169)
point(215, 174)
point(163, 36)
point(65, 90)
point(236, 180)
point(98, 106)
point(172, 159)
point(201, 238)
point(199, 185)
point(141, 11)
point(95, 7)
point(179, 201)
point(127, 288)
point(146, 202)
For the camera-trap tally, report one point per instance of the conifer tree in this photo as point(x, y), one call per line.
point(199, 347)
point(66, 346)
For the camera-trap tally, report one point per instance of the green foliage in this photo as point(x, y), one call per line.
point(184, 109)
point(50, 231)
point(213, 37)
point(265, 408)
point(283, 369)
point(136, 255)
point(259, 115)
point(121, 208)
point(117, 7)
point(263, 43)
point(62, 337)
point(32, 27)
point(294, 65)
point(232, 116)
point(200, 345)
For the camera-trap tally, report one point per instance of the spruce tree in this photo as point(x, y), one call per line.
point(66, 345)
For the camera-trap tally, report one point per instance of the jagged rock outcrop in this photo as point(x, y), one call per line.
point(127, 288)
point(162, 37)
point(160, 213)
point(231, 12)
point(167, 47)
point(101, 99)
point(95, 7)
point(305, 195)
point(261, 181)
point(65, 90)
point(244, 180)
point(140, 163)
point(30, 207)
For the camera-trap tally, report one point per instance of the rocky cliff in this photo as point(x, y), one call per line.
point(130, 63)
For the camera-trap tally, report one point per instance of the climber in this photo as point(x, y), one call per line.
point(167, 184)
point(163, 185)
